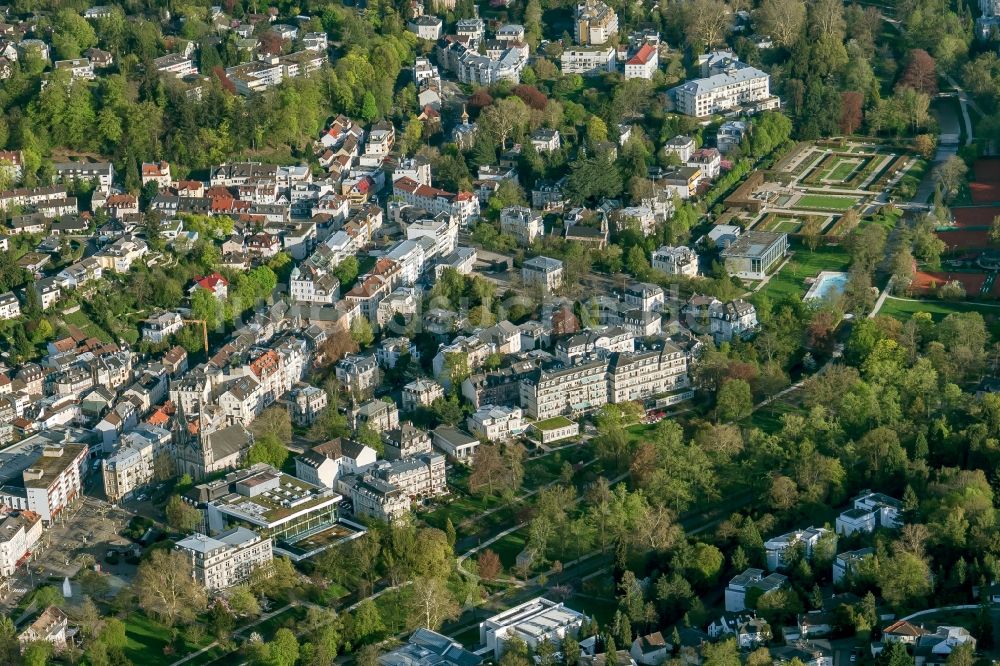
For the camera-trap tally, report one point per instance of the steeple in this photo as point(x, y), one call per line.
point(465, 115)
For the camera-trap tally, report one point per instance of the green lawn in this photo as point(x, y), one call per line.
point(904, 309)
point(509, 546)
point(825, 202)
point(85, 324)
point(842, 170)
point(790, 281)
point(146, 640)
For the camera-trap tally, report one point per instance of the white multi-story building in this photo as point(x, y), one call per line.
point(776, 548)
point(426, 27)
point(464, 205)
point(588, 60)
point(103, 172)
point(496, 423)
point(751, 579)
point(79, 68)
point(45, 478)
point(309, 284)
point(160, 327)
point(595, 22)
point(19, 530)
point(10, 308)
point(643, 64)
point(421, 393)
point(306, 403)
point(522, 223)
point(358, 373)
point(869, 512)
point(532, 623)
point(574, 390)
point(175, 64)
point(646, 374)
point(680, 260)
point(325, 464)
point(227, 559)
point(845, 562)
point(737, 85)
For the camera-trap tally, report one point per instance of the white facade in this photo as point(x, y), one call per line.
point(522, 223)
point(227, 559)
point(496, 423)
point(543, 271)
point(532, 622)
point(776, 548)
point(737, 85)
point(681, 260)
point(588, 60)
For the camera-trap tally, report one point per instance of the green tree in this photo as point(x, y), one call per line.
point(367, 625)
point(268, 449)
point(733, 401)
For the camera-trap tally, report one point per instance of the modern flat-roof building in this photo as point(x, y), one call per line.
point(533, 622)
point(751, 579)
point(776, 548)
point(42, 474)
point(227, 559)
point(270, 503)
point(588, 60)
point(429, 648)
point(753, 254)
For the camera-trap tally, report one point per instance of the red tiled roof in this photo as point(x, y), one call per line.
point(643, 56)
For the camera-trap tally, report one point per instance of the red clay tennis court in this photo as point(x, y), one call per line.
point(980, 216)
point(986, 188)
point(956, 240)
point(928, 282)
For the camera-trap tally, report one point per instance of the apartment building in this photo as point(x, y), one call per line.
point(421, 393)
point(358, 373)
point(134, 463)
point(306, 403)
point(175, 64)
point(751, 579)
point(19, 530)
point(680, 260)
point(644, 374)
point(543, 271)
point(10, 308)
point(464, 205)
point(325, 464)
point(496, 423)
point(79, 68)
point(386, 491)
point(41, 475)
point(736, 85)
point(406, 441)
point(588, 60)
point(522, 223)
point(227, 559)
point(595, 23)
point(574, 390)
point(103, 172)
point(28, 197)
point(776, 548)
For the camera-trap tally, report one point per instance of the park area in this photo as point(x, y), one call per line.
point(986, 186)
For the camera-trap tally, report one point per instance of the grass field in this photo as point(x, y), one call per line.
point(903, 309)
point(84, 323)
point(146, 639)
point(842, 170)
point(825, 202)
point(790, 281)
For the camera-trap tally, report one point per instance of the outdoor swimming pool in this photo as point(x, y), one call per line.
point(828, 283)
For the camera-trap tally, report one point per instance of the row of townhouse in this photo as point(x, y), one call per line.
point(259, 75)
